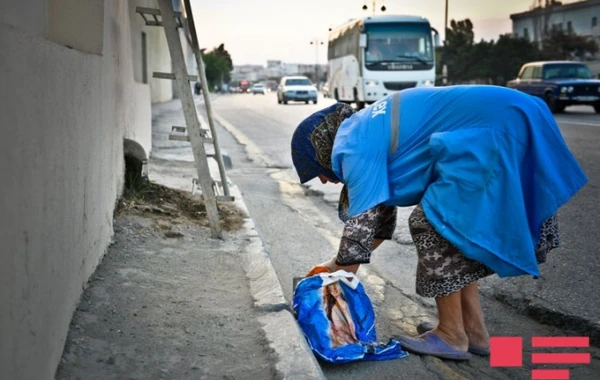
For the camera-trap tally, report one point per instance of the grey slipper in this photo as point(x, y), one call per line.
point(423, 327)
point(431, 344)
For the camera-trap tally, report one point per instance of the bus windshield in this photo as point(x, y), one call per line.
point(398, 42)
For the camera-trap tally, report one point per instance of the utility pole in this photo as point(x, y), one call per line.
point(444, 51)
point(316, 42)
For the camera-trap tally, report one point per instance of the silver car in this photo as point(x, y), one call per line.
point(259, 88)
point(296, 88)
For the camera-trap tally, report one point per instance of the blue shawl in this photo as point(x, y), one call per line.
point(488, 164)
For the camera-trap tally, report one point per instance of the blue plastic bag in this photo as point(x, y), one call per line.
point(337, 319)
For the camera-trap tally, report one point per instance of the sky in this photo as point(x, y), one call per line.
point(255, 31)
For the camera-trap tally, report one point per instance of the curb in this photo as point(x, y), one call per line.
point(295, 360)
point(542, 313)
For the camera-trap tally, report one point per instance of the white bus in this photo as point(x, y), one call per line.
point(372, 57)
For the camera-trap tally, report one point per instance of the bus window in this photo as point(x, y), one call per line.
point(398, 42)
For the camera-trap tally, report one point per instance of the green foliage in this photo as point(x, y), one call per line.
point(565, 44)
point(497, 62)
point(218, 66)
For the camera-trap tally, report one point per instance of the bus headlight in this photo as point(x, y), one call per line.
point(563, 89)
point(371, 83)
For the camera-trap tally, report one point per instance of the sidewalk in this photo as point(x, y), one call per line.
point(169, 302)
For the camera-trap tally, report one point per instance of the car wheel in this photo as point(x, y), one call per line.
point(551, 101)
point(285, 101)
point(307, 102)
point(315, 101)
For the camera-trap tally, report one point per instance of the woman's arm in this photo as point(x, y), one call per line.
point(362, 235)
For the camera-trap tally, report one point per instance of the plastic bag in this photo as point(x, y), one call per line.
point(337, 319)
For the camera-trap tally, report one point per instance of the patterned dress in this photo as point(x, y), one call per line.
point(442, 269)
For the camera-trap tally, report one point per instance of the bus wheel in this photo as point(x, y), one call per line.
point(359, 105)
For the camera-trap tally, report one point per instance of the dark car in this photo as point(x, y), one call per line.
point(559, 84)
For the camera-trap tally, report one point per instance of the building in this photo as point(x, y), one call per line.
point(582, 17)
point(273, 64)
point(275, 70)
point(76, 99)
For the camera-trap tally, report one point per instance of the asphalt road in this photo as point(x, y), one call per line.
point(299, 227)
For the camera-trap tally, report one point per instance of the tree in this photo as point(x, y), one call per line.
point(509, 53)
point(218, 66)
point(559, 43)
point(221, 52)
point(485, 61)
point(458, 49)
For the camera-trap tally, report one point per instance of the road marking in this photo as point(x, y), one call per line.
point(567, 121)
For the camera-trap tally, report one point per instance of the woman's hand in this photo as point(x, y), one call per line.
point(324, 267)
point(331, 266)
point(348, 268)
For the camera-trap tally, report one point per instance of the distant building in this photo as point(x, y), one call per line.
point(272, 64)
point(274, 70)
point(583, 17)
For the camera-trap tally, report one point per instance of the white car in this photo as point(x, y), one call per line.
point(296, 88)
point(259, 88)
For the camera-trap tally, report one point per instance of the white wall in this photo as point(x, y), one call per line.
point(64, 115)
point(158, 58)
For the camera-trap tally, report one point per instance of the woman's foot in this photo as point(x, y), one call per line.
point(479, 343)
point(455, 339)
point(478, 338)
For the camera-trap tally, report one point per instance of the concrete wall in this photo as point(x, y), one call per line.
point(65, 114)
point(158, 58)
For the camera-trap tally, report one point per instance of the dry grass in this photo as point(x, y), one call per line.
point(157, 201)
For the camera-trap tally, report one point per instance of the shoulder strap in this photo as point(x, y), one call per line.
point(395, 122)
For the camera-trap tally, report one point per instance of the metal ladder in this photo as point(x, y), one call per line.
point(170, 20)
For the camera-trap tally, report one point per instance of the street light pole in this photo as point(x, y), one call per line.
point(373, 7)
point(316, 42)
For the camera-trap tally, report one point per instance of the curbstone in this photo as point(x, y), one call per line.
point(295, 360)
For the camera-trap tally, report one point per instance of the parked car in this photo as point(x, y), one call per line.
point(296, 88)
point(559, 84)
point(259, 88)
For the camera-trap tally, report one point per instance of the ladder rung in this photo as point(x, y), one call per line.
point(179, 129)
point(153, 12)
point(191, 78)
point(216, 186)
point(178, 137)
point(148, 11)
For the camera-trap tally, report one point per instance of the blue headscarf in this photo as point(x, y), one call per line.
point(312, 142)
